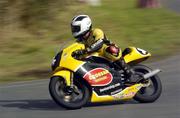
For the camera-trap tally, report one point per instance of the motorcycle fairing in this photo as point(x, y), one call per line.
point(127, 93)
point(67, 61)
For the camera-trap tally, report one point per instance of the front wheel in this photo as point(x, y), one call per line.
point(153, 91)
point(71, 99)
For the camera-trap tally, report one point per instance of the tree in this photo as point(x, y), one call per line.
point(148, 3)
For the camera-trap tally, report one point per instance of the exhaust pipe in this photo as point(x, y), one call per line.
point(152, 73)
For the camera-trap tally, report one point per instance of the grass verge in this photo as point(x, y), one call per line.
point(26, 55)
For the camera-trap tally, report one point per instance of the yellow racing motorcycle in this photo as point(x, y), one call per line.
point(95, 79)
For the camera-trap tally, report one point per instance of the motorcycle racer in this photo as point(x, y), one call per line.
point(95, 40)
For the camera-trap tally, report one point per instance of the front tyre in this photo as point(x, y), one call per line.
point(62, 95)
point(153, 91)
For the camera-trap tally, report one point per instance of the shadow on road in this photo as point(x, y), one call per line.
point(50, 104)
point(31, 104)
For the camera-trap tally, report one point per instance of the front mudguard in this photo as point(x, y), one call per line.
point(65, 74)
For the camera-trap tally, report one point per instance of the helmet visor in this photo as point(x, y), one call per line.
point(75, 28)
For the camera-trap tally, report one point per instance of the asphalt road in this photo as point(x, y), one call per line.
point(32, 100)
point(173, 5)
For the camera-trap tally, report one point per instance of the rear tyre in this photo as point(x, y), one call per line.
point(153, 91)
point(70, 100)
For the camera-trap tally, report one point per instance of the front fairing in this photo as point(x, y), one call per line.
point(66, 60)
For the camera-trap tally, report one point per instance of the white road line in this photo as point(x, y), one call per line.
point(21, 84)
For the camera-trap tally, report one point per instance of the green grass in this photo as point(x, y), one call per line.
point(26, 55)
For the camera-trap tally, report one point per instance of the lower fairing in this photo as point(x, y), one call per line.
point(127, 93)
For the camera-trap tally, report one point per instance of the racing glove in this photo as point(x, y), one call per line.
point(78, 54)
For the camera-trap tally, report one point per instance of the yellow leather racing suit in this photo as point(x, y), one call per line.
point(97, 42)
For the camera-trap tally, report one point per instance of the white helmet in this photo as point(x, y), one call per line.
point(80, 25)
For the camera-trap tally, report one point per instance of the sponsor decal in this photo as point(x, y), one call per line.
point(115, 92)
point(98, 77)
point(127, 93)
point(124, 95)
point(110, 87)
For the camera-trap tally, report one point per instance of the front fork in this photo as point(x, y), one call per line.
point(71, 80)
point(72, 88)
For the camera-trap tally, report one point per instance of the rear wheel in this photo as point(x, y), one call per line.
point(69, 98)
point(153, 91)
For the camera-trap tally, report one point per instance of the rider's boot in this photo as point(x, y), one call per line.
point(129, 73)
